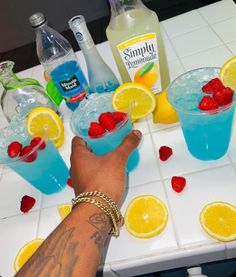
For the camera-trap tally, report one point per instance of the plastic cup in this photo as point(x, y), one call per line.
point(88, 111)
point(47, 172)
point(207, 133)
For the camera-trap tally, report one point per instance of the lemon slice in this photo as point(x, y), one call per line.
point(228, 73)
point(26, 252)
point(59, 142)
point(146, 216)
point(164, 112)
point(41, 120)
point(64, 210)
point(135, 98)
point(218, 219)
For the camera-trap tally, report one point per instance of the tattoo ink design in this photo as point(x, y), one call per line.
point(49, 262)
point(101, 223)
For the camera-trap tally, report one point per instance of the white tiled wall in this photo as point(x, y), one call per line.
point(203, 37)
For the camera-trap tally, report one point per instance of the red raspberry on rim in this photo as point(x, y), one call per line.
point(207, 104)
point(223, 97)
point(28, 153)
point(119, 116)
point(213, 85)
point(38, 141)
point(107, 121)
point(14, 149)
point(96, 130)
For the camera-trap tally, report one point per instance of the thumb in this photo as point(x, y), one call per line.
point(129, 143)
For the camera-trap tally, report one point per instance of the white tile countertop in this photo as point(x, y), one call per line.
point(202, 37)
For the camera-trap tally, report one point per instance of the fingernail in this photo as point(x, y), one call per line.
point(137, 133)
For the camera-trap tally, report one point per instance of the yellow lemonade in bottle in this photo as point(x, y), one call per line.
point(136, 43)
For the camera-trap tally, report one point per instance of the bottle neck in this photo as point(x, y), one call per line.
point(7, 77)
point(120, 6)
point(79, 28)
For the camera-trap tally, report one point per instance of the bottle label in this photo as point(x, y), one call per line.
point(70, 84)
point(74, 87)
point(140, 57)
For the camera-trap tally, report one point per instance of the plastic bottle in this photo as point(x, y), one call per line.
point(101, 78)
point(20, 95)
point(195, 272)
point(136, 42)
point(59, 60)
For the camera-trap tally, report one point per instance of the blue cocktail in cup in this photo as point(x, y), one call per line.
point(89, 111)
point(207, 133)
point(42, 166)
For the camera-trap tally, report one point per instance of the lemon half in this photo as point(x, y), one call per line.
point(218, 219)
point(146, 216)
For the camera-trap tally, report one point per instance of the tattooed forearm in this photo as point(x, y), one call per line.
point(48, 262)
point(69, 249)
point(101, 223)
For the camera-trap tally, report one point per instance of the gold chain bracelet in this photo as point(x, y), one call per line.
point(111, 210)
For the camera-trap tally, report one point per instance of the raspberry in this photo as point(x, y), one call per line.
point(27, 203)
point(69, 182)
point(207, 104)
point(96, 130)
point(38, 141)
point(165, 152)
point(28, 153)
point(14, 149)
point(107, 121)
point(212, 86)
point(178, 183)
point(119, 116)
point(224, 96)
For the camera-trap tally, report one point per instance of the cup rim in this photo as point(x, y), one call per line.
point(86, 105)
point(107, 133)
point(21, 158)
point(200, 112)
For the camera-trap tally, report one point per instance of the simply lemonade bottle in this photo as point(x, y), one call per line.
point(136, 43)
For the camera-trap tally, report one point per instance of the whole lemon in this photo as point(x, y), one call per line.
point(164, 112)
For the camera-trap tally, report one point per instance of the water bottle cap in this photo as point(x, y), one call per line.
point(37, 19)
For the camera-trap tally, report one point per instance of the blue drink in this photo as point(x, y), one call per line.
point(47, 172)
point(207, 134)
point(89, 111)
point(70, 81)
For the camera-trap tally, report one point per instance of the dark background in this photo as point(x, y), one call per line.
point(17, 37)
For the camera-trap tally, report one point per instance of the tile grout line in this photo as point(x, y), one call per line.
point(210, 26)
point(40, 213)
point(172, 45)
point(166, 194)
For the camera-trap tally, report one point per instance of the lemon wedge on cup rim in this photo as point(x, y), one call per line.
point(134, 98)
point(43, 120)
point(218, 219)
point(26, 252)
point(146, 216)
point(228, 73)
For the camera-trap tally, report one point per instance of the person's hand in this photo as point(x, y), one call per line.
point(105, 173)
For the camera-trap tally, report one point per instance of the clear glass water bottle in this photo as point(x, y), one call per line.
point(101, 77)
point(59, 60)
point(20, 95)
